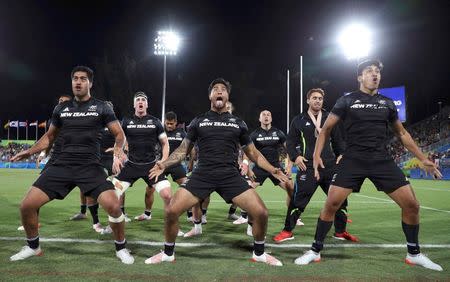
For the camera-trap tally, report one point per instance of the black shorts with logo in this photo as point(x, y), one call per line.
point(57, 181)
point(131, 172)
point(177, 172)
point(384, 174)
point(261, 175)
point(202, 185)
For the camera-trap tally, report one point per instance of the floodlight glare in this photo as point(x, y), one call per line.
point(355, 41)
point(166, 43)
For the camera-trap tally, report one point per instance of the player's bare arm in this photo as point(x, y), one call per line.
point(175, 158)
point(165, 148)
point(409, 144)
point(42, 144)
point(255, 156)
point(324, 135)
point(119, 155)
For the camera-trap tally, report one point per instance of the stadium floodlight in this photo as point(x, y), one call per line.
point(166, 44)
point(355, 41)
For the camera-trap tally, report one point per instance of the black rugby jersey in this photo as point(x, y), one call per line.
point(175, 138)
point(366, 121)
point(142, 137)
point(56, 147)
point(218, 136)
point(301, 140)
point(268, 142)
point(107, 142)
point(80, 126)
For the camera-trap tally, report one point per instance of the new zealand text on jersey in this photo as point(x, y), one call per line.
point(218, 124)
point(141, 126)
point(79, 114)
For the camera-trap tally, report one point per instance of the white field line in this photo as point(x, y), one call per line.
point(196, 245)
point(321, 202)
point(390, 201)
point(432, 189)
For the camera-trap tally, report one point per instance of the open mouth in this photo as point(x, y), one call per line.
point(219, 99)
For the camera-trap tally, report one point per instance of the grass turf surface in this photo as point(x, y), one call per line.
point(376, 220)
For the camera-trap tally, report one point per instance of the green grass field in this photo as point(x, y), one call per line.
point(376, 220)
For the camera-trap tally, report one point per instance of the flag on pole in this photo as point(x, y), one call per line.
point(43, 124)
point(6, 125)
point(34, 123)
point(14, 123)
point(23, 123)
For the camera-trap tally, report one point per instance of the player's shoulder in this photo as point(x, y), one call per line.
point(387, 99)
point(153, 118)
point(61, 106)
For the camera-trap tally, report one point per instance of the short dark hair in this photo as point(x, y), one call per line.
point(171, 116)
point(87, 70)
point(368, 63)
point(140, 94)
point(65, 95)
point(221, 81)
point(318, 90)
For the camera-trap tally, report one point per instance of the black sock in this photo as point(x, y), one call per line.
point(33, 242)
point(292, 215)
point(120, 245)
point(169, 248)
point(148, 212)
point(412, 238)
point(204, 211)
point(244, 214)
point(123, 209)
point(340, 221)
point(94, 213)
point(232, 210)
point(83, 208)
point(321, 232)
point(258, 247)
point(189, 213)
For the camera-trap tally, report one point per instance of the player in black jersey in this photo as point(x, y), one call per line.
point(79, 123)
point(367, 116)
point(106, 160)
point(300, 143)
point(51, 153)
point(144, 132)
point(218, 135)
point(178, 173)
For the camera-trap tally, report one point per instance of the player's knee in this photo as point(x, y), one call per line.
point(413, 207)
point(171, 213)
point(260, 213)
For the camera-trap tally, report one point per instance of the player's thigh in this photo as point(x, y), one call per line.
point(387, 176)
point(251, 202)
point(405, 197)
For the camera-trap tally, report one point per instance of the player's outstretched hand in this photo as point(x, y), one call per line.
point(279, 174)
point(156, 170)
point(300, 162)
point(118, 162)
point(317, 162)
point(20, 156)
point(432, 168)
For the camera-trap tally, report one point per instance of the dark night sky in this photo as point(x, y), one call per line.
point(250, 43)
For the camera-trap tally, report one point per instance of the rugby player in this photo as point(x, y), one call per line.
point(300, 143)
point(367, 116)
point(79, 123)
point(218, 135)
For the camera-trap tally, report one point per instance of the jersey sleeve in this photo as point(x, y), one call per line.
point(294, 142)
point(282, 136)
point(56, 118)
point(183, 133)
point(244, 137)
point(159, 128)
point(192, 133)
point(341, 107)
point(108, 114)
point(393, 113)
point(253, 136)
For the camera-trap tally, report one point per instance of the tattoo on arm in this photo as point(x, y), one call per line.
point(179, 154)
